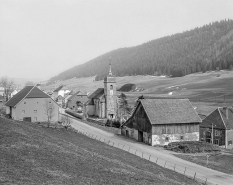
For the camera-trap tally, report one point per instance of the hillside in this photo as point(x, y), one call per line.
point(31, 154)
point(200, 49)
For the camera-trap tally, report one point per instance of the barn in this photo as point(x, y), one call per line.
point(161, 121)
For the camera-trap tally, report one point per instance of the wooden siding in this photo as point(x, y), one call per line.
point(175, 128)
point(139, 121)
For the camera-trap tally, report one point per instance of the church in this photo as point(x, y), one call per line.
point(102, 103)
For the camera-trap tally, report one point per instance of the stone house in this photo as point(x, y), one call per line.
point(29, 105)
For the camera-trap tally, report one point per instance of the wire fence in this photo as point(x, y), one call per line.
point(150, 157)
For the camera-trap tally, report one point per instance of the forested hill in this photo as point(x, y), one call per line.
point(207, 48)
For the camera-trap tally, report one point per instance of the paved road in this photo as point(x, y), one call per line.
point(132, 146)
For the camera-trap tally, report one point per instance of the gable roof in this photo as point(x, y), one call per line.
point(213, 117)
point(26, 92)
point(97, 94)
point(78, 93)
point(58, 89)
point(168, 111)
point(228, 121)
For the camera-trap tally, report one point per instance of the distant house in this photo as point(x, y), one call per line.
point(1, 91)
point(14, 93)
point(76, 101)
point(217, 127)
point(59, 100)
point(66, 97)
point(29, 105)
point(61, 90)
point(161, 121)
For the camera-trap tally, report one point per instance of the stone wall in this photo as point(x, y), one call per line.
point(162, 139)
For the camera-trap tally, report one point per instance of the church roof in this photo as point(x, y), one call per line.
point(97, 94)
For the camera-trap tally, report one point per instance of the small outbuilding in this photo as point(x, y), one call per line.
point(161, 121)
point(217, 127)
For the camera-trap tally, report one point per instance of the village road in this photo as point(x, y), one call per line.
point(156, 155)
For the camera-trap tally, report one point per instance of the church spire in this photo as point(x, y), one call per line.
point(110, 67)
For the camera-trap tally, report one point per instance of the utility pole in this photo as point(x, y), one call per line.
point(212, 133)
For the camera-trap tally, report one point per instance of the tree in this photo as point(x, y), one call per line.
point(66, 121)
point(123, 104)
point(8, 86)
point(49, 109)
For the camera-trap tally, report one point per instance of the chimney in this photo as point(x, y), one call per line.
point(226, 109)
point(38, 86)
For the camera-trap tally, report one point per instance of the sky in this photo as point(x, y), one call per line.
point(41, 38)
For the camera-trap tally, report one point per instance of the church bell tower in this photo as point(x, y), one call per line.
point(110, 94)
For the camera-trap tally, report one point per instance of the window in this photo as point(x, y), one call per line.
point(181, 137)
point(230, 142)
point(217, 132)
point(216, 142)
point(24, 102)
point(35, 111)
point(50, 102)
point(166, 139)
point(23, 111)
point(35, 118)
point(111, 87)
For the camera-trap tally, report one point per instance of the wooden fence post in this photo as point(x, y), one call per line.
point(149, 157)
point(194, 176)
point(165, 164)
point(156, 160)
point(184, 170)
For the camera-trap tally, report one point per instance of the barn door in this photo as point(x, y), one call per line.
point(140, 136)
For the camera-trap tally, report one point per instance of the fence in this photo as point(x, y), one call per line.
point(144, 155)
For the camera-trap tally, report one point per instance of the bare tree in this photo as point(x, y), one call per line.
point(66, 121)
point(49, 110)
point(8, 86)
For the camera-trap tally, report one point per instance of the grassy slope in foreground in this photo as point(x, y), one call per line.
point(36, 155)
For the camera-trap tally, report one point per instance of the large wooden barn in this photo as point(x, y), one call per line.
point(161, 121)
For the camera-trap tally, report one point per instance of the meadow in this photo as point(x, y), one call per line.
point(32, 154)
point(205, 90)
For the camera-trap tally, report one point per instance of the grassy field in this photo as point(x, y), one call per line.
point(222, 162)
point(205, 90)
point(31, 154)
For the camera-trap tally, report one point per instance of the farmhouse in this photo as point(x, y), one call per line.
point(217, 127)
point(76, 101)
point(61, 90)
point(102, 103)
point(29, 105)
point(161, 121)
